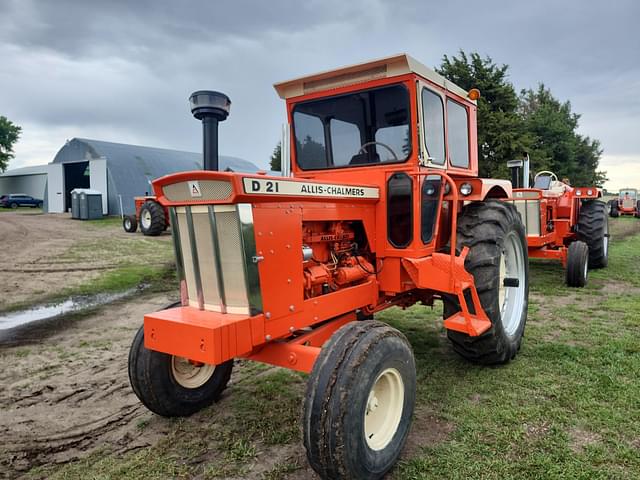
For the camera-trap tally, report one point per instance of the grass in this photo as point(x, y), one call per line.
point(566, 408)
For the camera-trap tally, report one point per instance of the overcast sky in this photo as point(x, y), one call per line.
point(122, 70)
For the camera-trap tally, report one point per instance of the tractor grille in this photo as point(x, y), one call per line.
point(207, 190)
point(216, 256)
point(529, 210)
point(628, 203)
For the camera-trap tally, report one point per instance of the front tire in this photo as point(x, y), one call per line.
point(359, 402)
point(129, 223)
point(152, 219)
point(593, 229)
point(171, 386)
point(497, 245)
point(14, 205)
point(577, 264)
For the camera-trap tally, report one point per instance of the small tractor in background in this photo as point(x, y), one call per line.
point(150, 215)
point(564, 223)
point(379, 205)
point(627, 203)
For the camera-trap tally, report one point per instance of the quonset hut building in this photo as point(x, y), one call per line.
point(119, 171)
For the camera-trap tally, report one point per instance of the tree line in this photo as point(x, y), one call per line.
point(510, 124)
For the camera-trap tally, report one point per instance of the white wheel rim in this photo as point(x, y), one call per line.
point(605, 241)
point(586, 269)
point(127, 223)
point(188, 375)
point(512, 299)
point(145, 219)
point(384, 409)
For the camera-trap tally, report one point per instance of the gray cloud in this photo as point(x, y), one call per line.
point(122, 70)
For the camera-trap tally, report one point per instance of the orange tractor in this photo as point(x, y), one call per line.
point(380, 206)
point(152, 217)
point(564, 223)
point(627, 203)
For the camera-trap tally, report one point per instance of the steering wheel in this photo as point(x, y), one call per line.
point(553, 176)
point(364, 145)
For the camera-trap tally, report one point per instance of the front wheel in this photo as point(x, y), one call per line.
point(359, 402)
point(14, 205)
point(577, 272)
point(498, 261)
point(129, 223)
point(174, 386)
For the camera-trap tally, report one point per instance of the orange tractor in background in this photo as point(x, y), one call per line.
point(380, 205)
point(627, 203)
point(150, 215)
point(564, 223)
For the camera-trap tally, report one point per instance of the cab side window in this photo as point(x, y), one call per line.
point(433, 128)
point(458, 134)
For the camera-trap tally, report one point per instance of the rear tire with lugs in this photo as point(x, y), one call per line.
point(152, 219)
point(359, 402)
point(172, 386)
point(593, 229)
point(497, 245)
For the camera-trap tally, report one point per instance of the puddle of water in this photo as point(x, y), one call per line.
point(44, 312)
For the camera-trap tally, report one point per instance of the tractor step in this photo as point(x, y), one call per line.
point(472, 326)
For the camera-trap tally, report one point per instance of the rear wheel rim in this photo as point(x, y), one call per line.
point(512, 299)
point(145, 219)
point(189, 375)
point(384, 407)
point(605, 239)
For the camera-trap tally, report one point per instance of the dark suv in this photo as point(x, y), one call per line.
point(16, 200)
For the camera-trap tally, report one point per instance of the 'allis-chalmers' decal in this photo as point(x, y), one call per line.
point(262, 186)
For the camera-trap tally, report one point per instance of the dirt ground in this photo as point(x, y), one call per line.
point(69, 394)
point(42, 254)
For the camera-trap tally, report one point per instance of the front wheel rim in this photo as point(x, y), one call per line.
point(190, 375)
point(383, 410)
point(512, 299)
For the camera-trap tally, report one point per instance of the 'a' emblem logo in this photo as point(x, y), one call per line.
point(194, 189)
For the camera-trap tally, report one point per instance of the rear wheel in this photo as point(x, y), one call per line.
point(499, 264)
point(14, 205)
point(359, 402)
point(577, 264)
point(129, 223)
point(613, 207)
point(152, 219)
point(593, 229)
point(638, 209)
point(174, 386)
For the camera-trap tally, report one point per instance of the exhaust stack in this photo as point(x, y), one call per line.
point(210, 107)
point(519, 172)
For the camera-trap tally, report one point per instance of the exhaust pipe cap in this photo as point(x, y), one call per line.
point(208, 103)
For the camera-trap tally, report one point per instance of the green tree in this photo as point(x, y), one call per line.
point(556, 144)
point(276, 158)
point(501, 133)
point(9, 134)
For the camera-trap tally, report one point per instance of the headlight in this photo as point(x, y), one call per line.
point(466, 189)
point(589, 192)
point(578, 192)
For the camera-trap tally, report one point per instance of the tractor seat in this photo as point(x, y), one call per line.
point(556, 189)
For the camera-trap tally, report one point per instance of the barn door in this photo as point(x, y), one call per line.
point(98, 180)
point(55, 188)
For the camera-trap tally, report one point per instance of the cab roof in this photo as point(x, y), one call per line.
point(362, 72)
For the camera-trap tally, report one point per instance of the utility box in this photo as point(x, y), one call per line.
point(86, 204)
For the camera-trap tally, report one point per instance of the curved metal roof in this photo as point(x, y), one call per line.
point(131, 168)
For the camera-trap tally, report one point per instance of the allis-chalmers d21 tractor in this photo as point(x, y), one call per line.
point(152, 217)
point(564, 223)
point(627, 203)
point(383, 207)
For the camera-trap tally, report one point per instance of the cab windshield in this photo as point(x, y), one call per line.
point(362, 128)
point(628, 193)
